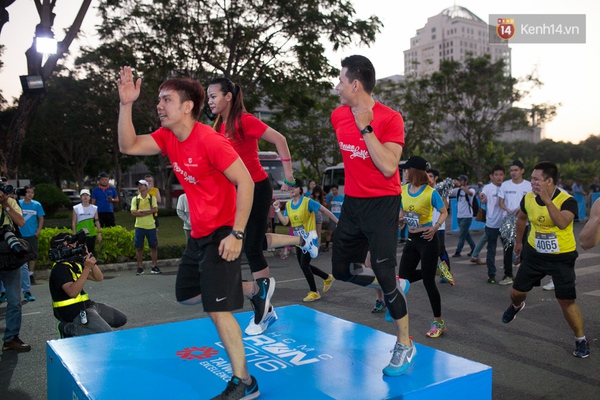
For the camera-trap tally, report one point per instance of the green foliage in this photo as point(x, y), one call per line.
point(117, 242)
point(51, 198)
point(310, 136)
point(267, 47)
point(461, 109)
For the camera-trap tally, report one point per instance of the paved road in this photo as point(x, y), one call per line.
point(531, 357)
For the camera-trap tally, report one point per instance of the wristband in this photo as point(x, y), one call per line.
point(285, 159)
point(293, 184)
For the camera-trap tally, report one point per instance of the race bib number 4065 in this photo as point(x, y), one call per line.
point(546, 243)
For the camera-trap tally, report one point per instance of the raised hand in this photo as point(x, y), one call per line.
point(129, 90)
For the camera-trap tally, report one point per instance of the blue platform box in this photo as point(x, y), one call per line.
point(305, 355)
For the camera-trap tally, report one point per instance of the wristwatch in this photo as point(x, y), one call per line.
point(366, 129)
point(238, 234)
point(7, 209)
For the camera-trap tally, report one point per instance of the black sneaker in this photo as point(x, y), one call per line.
point(455, 255)
point(140, 271)
point(155, 270)
point(261, 301)
point(492, 280)
point(511, 313)
point(31, 280)
point(16, 344)
point(582, 349)
point(237, 390)
point(60, 328)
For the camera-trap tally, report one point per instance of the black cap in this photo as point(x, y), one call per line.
point(415, 162)
point(102, 175)
point(463, 178)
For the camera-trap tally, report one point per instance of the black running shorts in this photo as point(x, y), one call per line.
point(535, 266)
point(203, 271)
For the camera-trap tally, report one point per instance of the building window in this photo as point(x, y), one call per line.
point(433, 30)
point(432, 37)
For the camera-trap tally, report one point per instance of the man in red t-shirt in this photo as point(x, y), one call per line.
point(371, 136)
point(209, 170)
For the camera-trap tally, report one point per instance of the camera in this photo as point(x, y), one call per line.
point(7, 189)
point(59, 251)
point(8, 234)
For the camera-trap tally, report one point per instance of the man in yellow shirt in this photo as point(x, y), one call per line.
point(143, 206)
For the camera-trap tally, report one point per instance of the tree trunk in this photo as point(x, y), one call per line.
point(11, 141)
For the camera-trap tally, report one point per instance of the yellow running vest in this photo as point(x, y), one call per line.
point(545, 236)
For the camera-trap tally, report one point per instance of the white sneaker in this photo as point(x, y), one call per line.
point(506, 281)
point(549, 286)
point(257, 329)
point(311, 244)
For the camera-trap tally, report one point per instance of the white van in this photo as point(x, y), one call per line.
point(271, 162)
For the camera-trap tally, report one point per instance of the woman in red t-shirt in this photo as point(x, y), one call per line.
point(243, 129)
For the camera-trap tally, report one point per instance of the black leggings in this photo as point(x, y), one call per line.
point(419, 249)
point(308, 270)
point(255, 240)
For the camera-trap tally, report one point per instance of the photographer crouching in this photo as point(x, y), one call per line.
point(76, 313)
point(13, 254)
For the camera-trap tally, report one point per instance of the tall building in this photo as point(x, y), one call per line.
point(451, 35)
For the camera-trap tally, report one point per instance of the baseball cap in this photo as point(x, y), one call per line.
point(415, 162)
point(102, 175)
point(142, 182)
point(463, 178)
point(84, 191)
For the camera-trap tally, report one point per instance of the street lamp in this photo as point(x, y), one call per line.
point(33, 84)
point(45, 43)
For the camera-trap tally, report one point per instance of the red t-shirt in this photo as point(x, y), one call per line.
point(248, 148)
point(199, 162)
point(363, 179)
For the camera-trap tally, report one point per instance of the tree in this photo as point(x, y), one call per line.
point(11, 140)
point(311, 138)
point(473, 102)
point(68, 139)
point(265, 46)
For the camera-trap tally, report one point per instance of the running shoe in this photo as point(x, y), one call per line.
point(436, 329)
point(379, 307)
point(257, 329)
point(582, 349)
point(549, 285)
point(508, 280)
point(156, 270)
point(140, 271)
point(511, 313)
point(261, 301)
point(237, 390)
point(327, 283)
point(492, 280)
point(401, 359)
point(445, 272)
point(311, 244)
point(311, 296)
point(60, 328)
point(403, 284)
point(28, 296)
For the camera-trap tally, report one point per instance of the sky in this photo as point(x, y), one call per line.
point(568, 71)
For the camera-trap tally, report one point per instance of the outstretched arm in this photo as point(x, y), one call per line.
point(129, 142)
point(280, 142)
point(590, 234)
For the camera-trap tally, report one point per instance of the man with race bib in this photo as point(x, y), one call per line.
point(550, 249)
